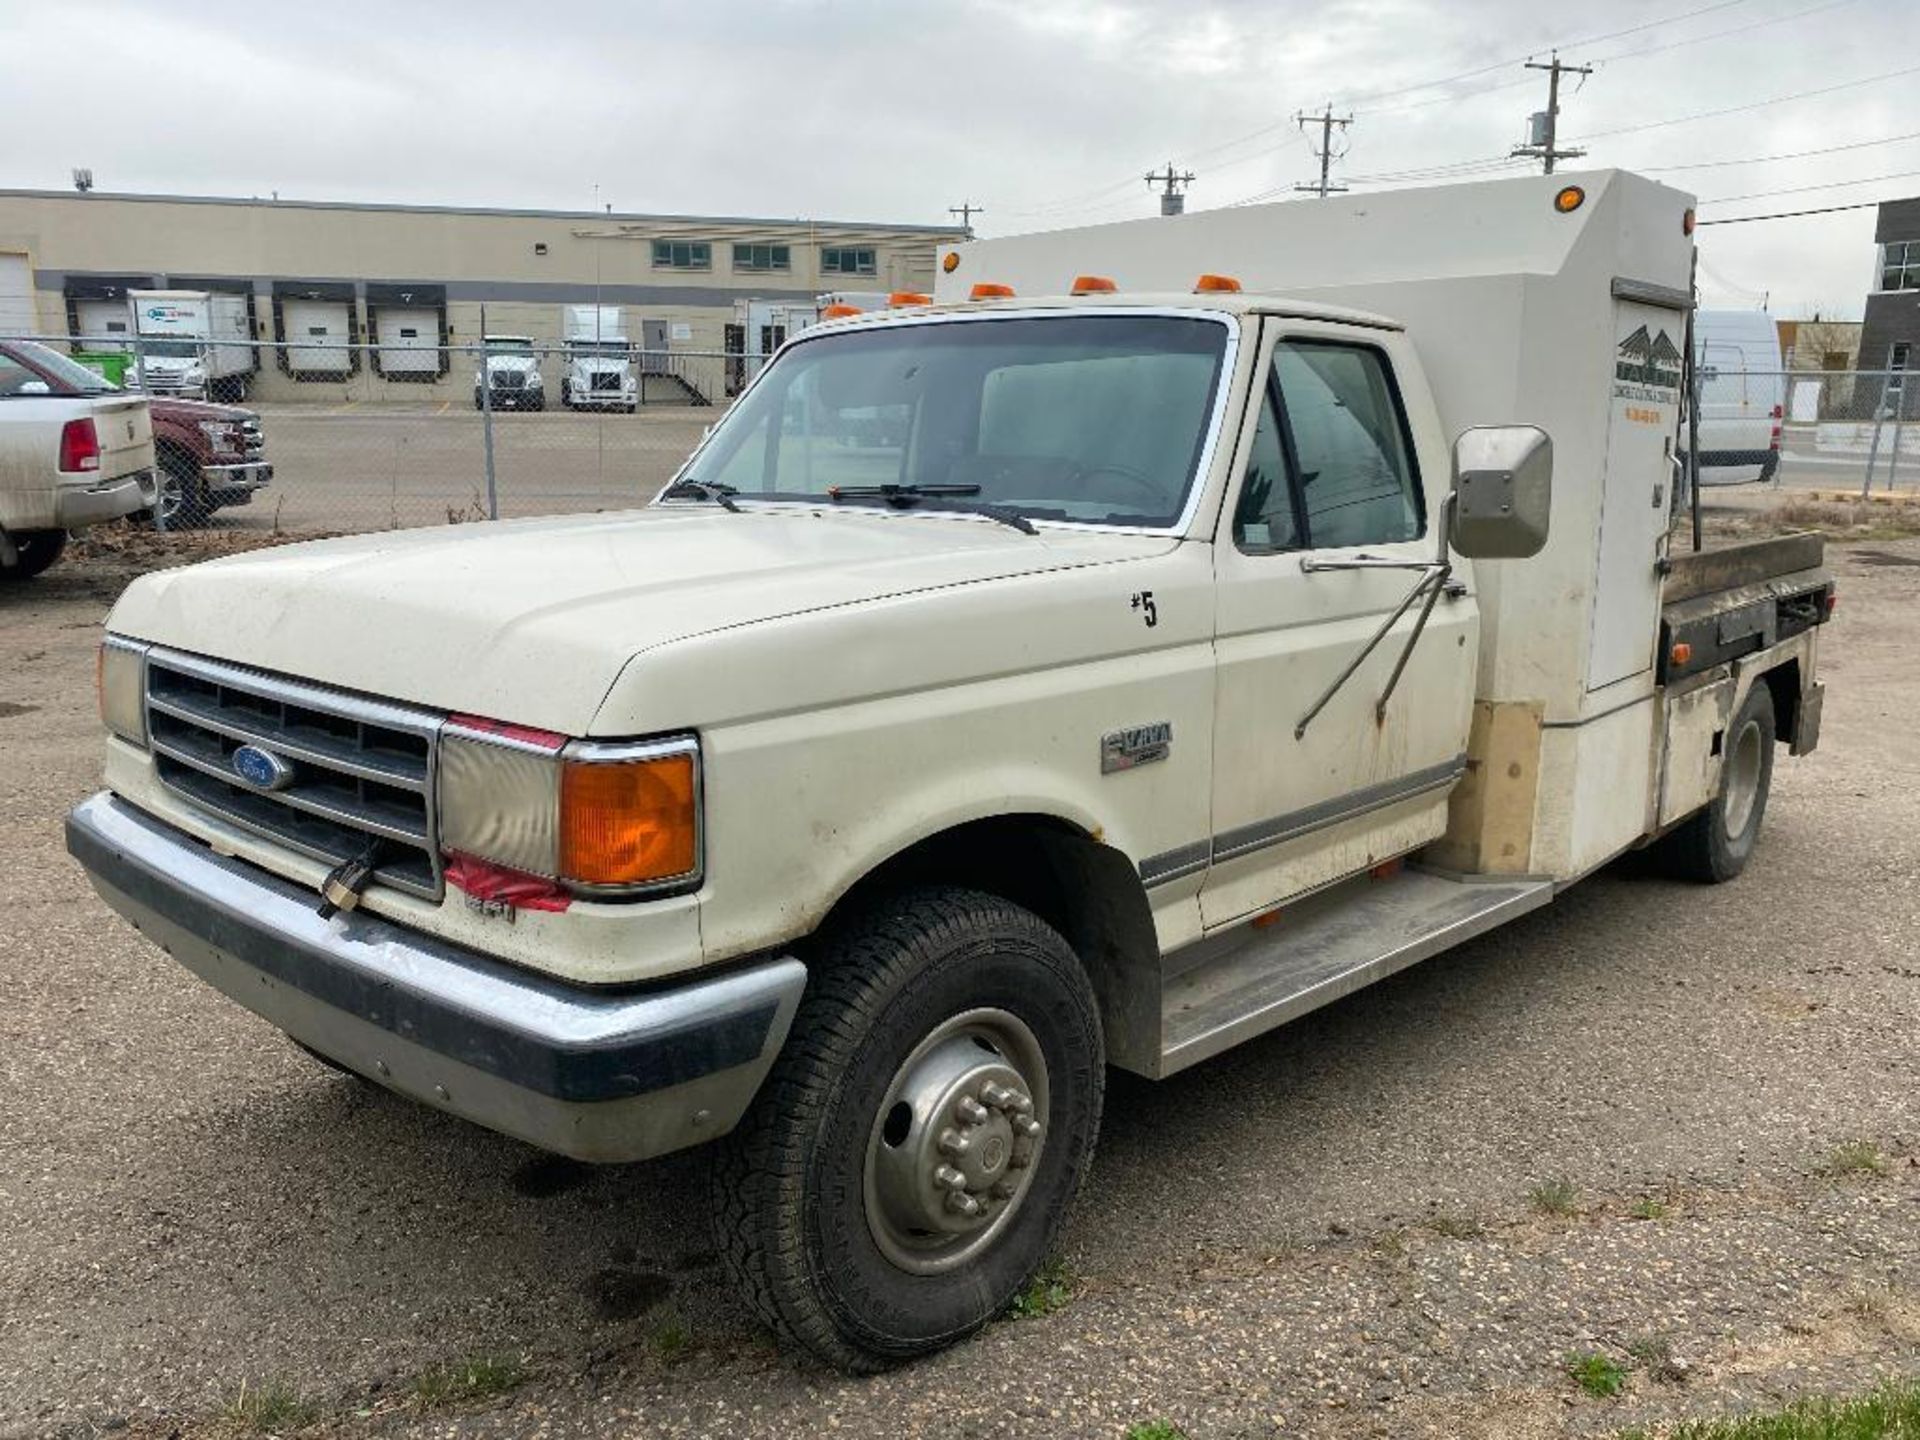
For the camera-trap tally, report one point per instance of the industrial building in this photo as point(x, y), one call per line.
point(407, 282)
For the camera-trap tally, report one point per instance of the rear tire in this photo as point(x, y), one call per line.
point(37, 550)
point(1714, 844)
point(909, 1162)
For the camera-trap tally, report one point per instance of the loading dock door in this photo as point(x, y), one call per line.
point(17, 315)
point(99, 318)
point(316, 332)
point(409, 340)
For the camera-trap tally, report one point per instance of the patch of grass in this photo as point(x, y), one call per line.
point(1649, 1209)
point(1455, 1227)
point(1049, 1290)
point(1654, 1354)
point(272, 1407)
point(1554, 1197)
point(1599, 1375)
point(672, 1340)
point(477, 1377)
point(1854, 1157)
point(1892, 1413)
point(1155, 1430)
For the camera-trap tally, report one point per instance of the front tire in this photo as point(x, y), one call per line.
point(909, 1163)
point(181, 503)
point(1715, 843)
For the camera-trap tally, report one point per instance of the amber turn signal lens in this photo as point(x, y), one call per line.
point(628, 822)
point(1570, 199)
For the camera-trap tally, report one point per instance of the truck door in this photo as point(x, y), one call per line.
point(1328, 473)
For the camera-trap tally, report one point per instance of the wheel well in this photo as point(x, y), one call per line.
point(1089, 891)
point(1784, 682)
point(166, 448)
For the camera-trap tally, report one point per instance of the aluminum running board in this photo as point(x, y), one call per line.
point(1231, 987)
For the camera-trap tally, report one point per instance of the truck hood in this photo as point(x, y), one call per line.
point(512, 362)
point(532, 621)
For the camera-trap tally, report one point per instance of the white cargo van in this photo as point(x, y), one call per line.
point(1742, 395)
point(193, 342)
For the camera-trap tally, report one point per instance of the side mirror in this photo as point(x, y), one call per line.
point(1502, 491)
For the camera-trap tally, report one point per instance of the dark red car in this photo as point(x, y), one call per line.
point(205, 456)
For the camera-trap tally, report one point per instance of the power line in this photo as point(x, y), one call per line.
point(1792, 214)
point(1753, 105)
point(1326, 120)
point(1546, 123)
point(1809, 189)
point(1770, 159)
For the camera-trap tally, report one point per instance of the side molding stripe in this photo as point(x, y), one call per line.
point(1245, 839)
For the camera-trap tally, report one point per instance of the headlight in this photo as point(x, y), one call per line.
point(601, 819)
point(223, 435)
point(122, 680)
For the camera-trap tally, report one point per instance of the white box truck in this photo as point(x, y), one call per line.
point(1005, 689)
point(193, 342)
point(597, 369)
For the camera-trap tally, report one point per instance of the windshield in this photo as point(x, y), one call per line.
point(68, 372)
point(517, 349)
point(616, 348)
point(1098, 419)
point(173, 349)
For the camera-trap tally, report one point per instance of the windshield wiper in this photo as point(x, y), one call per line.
point(721, 495)
point(905, 495)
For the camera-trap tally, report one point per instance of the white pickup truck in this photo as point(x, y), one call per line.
point(1007, 688)
point(66, 462)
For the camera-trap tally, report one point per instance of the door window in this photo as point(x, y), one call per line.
point(1331, 463)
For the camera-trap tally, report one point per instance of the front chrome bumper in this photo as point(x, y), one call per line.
point(604, 1075)
point(234, 484)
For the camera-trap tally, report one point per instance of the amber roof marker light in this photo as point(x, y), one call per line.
point(1569, 198)
point(1093, 285)
point(987, 290)
point(1216, 285)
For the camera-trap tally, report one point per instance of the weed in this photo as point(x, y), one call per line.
point(671, 1340)
point(1854, 1157)
point(1554, 1197)
point(1892, 1413)
point(1599, 1375)
point(1155, 1430)
point(1650, 1209)
point(1871, 1304)
point(270, 1408)
point(1654, 1354)
point(475, 1378)
point(1455, 1227)
point(1050, 1288)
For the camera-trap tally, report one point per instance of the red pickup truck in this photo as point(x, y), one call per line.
point(205, 456)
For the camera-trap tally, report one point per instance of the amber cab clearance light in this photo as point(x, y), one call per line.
point(839, 312)
point(1680, 654)
point(987, 290)
point(1093, 285)
point(951, 262)
point(1569, 199)
point(900, 298)
point(1216, 285)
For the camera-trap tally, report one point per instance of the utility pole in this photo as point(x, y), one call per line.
point(1172, 200)
point(1326, 120)
point(1543, 129)
point(966, 210)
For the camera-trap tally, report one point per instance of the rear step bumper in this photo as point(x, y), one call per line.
point(604, 1075)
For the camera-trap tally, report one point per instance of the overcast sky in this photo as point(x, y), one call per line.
point(1047, 114)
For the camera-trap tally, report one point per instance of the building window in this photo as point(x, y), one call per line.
point(774, 257)
point(682, 255)
point(848, 260)
point(1900, 265)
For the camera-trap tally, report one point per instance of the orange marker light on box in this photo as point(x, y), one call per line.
point(1093, 285)
point(1216, 285)
point(1680, 654)
point(987, 290)
point(840, 312)
point(901, 298)
point(1569, 199)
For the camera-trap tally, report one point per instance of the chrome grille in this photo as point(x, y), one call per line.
point(361, 769)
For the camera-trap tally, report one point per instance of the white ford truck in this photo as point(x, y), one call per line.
point(66, 462)
point(1006, 688)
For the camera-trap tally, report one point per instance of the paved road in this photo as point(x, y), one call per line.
point(1325, 1232)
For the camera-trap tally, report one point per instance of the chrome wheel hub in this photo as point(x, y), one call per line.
point(955, 1142)
point(1743, 780)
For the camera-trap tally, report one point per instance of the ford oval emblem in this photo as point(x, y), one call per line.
point(261, 769)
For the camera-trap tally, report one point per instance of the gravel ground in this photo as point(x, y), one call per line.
point(1325, 1232)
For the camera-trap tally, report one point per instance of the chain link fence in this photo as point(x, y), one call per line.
point(344, 439)
point(1844, 432)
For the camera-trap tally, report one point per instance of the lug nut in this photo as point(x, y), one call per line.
point(1026, 1125)
point(948, 1178)
point(962, 1203)
point(995, 1094)
point(1020, 1104)
point(970, 1111)
point(954, 1145)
